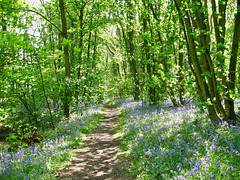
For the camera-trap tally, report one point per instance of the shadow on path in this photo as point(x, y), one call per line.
point(97, 160)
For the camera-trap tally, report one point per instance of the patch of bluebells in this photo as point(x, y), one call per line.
point(178, 143)
point(40, 161)
point(78, 122)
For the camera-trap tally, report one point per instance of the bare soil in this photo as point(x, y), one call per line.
point(98, 159)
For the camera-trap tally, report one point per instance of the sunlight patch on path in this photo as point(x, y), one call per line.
point(98, 159)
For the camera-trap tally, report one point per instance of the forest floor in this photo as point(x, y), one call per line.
point(98, 159)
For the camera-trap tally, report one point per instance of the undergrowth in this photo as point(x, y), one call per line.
point(167, 142)
point(42, 160)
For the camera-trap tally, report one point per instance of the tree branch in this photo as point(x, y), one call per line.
point(30, 10)
point(110, 49)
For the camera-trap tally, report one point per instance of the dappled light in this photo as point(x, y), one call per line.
point(177, 143)
point(98, 159)
point(119, 89)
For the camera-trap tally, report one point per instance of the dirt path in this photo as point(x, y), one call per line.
point(97, 160)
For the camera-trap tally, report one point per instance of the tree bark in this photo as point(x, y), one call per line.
point(197, 70)
point(2, 63)
point(147, 59)
point(88, 63)
point(229, 105)
point(180, 71)
point(67, 60)
point(220, 36)
point(45, 95)
point(131, 58)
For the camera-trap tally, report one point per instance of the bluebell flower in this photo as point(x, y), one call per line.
point(163, 175)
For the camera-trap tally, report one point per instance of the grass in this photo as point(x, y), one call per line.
point(42, 161)
point(165, 142)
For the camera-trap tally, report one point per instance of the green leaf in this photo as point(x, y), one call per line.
point(19, 25)
point(12, 136)
point(207, 74)
point(66, 42)
point(2, 112)
point(77, 50)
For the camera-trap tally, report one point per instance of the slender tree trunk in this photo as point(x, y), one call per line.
point(80, 42)
point(45, 95)
point(130, 50)
point(59, 48)
point(94, 62)
point(154, 66)
point(67, 60)
point(147, 59)
point(180, 72)
point(127, 51)
point(4, 28)
point(229, 106)
point(131, 58)
point(220, 29)
point(88, 63)
point(80, 46)
point(150, 57)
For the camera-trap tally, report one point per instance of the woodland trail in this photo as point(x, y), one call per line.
point(97, 160)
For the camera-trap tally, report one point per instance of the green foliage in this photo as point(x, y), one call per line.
point(66, 42)
point(44, 159)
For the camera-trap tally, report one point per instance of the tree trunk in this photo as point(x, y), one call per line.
point(203, 87)
point(94, 62)
point(88, 63)
point(2, 62)
point(229, 105)
point(220, 29)
point(180, 73)
point(80, 46)
point(45, 95)
point(147, 59)
point(131, 58)
point(80, 41)
point(67, 60)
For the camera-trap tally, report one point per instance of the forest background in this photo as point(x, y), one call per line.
point(60, 54)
